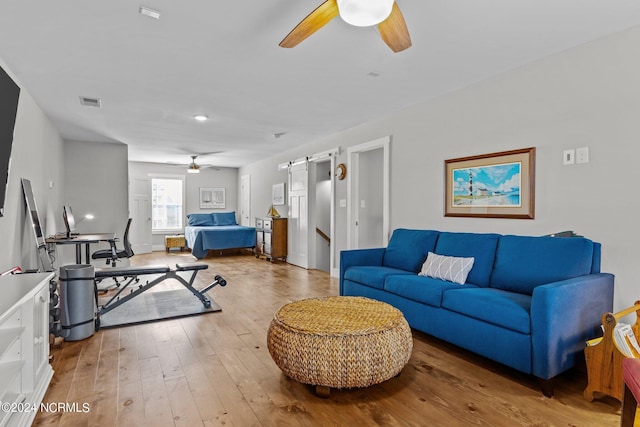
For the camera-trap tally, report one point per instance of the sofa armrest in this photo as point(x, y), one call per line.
point(564, 315)
point(354, 257)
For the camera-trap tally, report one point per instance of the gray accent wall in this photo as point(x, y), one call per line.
point(96, 177)
point(36, 155)
point(588, 96)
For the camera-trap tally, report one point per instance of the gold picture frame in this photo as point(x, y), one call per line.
point(495, 185)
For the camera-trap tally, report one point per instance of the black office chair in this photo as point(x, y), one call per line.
point(113, 254)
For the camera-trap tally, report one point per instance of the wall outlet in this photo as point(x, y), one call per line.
point(582, 155)
point(343, 203)
point(568, 157)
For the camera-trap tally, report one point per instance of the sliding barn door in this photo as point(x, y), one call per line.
point(298, 231)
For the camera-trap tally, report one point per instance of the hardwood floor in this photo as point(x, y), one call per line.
point(215, 370)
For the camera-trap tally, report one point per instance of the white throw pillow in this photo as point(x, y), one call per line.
point(449, 268)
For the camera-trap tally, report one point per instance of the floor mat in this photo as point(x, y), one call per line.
point(155, 306)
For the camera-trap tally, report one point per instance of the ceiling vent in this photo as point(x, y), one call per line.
point(90, 102)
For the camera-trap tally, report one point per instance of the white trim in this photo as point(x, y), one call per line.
point(316, 157)
point(324, 155)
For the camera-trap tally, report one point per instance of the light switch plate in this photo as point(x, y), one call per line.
point(568, 157)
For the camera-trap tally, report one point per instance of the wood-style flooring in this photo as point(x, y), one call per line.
point(215, 370)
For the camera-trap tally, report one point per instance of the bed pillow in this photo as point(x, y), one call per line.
point(199, 219)
point(449, 268)
point(224, 218)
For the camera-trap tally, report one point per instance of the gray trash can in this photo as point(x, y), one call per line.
point(77, 301)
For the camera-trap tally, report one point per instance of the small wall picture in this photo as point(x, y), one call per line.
point(212, 198)
point(278, 196)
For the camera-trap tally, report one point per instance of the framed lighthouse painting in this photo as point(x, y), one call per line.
point(496, 185)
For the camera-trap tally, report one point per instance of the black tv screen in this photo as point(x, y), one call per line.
point(9, 93)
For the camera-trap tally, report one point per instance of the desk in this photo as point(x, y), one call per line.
point(86, 240)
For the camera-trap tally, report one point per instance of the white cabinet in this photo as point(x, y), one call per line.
point(25, 372)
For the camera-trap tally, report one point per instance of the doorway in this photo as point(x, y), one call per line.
point(368, 194)
point(323, 205)
point(311, 222)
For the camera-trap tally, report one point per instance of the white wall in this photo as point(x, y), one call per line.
point(226, 178)
point(36, 155)
point(588, 96)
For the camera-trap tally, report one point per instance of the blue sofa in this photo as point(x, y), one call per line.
point(528, 302)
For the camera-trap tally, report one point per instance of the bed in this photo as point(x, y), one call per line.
point(216, 231)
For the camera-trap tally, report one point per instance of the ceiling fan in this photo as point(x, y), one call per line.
point(363, 13)
point(194, 167)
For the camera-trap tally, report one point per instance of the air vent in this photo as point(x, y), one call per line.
point(90, 102)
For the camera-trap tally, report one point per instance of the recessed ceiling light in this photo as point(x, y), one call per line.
point(149, 12)
point(201, 117)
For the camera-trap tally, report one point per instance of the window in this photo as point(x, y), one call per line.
point(166, 204)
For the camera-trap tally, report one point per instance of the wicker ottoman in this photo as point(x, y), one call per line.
point(339, 342)
point(177, 241)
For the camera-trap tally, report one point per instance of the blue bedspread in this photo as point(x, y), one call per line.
point(201, 239)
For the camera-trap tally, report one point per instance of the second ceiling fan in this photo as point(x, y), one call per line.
point(384, 13)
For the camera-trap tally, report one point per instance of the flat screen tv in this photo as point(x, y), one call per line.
point(9, 93)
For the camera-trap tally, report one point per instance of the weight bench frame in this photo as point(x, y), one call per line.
point(130, 275)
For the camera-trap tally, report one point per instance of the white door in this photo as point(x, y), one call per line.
point(298, 222)
point(245, 200)
point(140, 233)
point(368, 194)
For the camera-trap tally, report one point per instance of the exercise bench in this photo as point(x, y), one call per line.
point(130, 275)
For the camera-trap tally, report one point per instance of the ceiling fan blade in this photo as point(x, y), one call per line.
point(394, 32)
point(312, 23)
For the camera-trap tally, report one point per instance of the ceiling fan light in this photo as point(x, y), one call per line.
point(193, 170)
point(364, 13)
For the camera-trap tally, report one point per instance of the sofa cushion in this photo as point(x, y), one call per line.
point(422, 289)
point(524, 262)
point(372, 276)
point(482, 247)
point(449, 268)
point(224, 218)
point(502, 308)
point(199, 219)
point(408, 249)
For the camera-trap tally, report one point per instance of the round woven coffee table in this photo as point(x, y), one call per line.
point(339, 342)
